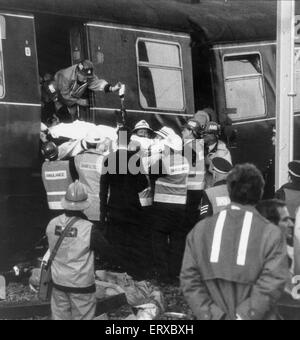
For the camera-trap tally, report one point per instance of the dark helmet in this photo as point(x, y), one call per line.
point(86, 68)
point(195, 127)
point(50, 151)
point(213, 128)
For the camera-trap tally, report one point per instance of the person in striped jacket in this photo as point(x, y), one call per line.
point(235, 263)
point(170, 196)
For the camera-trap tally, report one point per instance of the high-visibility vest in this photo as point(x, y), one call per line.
point(56, 178)
point(218, 197)
point(89, 166)
point(73, 265)
point(221, 151)
point(172, 188)
point(194, 152)
point(146, 196)
point(292, 200)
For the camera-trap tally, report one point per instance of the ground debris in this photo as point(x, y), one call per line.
point(174, 302)
point(17, 292)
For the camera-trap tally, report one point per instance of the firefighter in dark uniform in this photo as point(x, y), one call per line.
point(235, 264)
point(120, 207)
point(290, 192)
point(216, 198)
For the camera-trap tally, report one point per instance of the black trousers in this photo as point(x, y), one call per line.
point(132, 238)
point(192, 214)
point(168, 239)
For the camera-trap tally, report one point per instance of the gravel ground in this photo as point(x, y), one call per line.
point(174, 301)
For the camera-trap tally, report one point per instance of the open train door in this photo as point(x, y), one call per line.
point(79, 52)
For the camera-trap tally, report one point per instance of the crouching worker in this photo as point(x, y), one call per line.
point(73, 295)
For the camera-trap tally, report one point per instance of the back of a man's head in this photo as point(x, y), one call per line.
point(245, 184)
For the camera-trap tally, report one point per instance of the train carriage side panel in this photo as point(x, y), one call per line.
point(156, 67)
point(20, 99)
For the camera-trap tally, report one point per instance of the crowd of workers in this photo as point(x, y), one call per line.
point(167, 206)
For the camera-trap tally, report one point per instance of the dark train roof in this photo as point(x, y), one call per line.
point(210, 20)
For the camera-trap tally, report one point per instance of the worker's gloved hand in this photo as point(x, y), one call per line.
point(116, 87)
point(83, 102)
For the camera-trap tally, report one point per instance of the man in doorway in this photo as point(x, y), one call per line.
point(71, 85)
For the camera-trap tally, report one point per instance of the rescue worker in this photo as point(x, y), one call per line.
point(168, 232)
point(89, 166)
point(73, 295)
point(235, 263)
point(193, 145)
point(71, 85)
point(120, 205)
point(216, 198)
point(214, 147)
point(202, 117)
point(57, 175)
point(142, 138)
point(143, 130)
point(290, 192)
point(49, 97)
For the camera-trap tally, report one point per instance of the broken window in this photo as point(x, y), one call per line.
point(244, 86)
point(160, 75)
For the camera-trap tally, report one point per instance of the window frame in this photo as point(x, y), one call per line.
point(163, 67)
point(2, 60)
point(248, 76)
point(296, 51)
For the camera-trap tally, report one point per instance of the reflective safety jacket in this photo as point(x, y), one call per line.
point(56, 178)
point(73, 265)
point(194, 153)
point(235, 263)
point(171, 187)
point(219, 150)
point(146, 196)
point(218, 198)
point(89, 166)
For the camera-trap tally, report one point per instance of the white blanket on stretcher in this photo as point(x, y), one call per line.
point(77, 132)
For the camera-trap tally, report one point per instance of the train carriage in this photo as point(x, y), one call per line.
point(175, 58)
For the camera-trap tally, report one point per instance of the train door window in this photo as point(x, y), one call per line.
point(160, 75)
point(2, 36)
point(297, 80)
point(244, 86)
